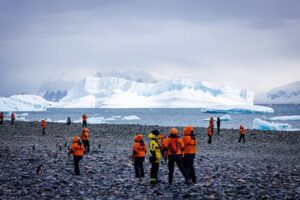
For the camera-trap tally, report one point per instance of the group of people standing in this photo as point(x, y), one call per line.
point(177, 150)
point(12, 118)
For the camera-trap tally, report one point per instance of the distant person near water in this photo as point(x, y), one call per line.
point(77, 150)
point(84, 119)
point(242, 133)
point(190, 149)
point(211, 124)
point(1, 117)
point(44, 125)
point(154, 155)
point(138, 155)
point(85, 139)
point(12, 118)
point(218, 124)
point(68, 121)
point(175, 148)
point(210, 134)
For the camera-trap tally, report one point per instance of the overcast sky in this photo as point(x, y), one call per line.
point(246, 44)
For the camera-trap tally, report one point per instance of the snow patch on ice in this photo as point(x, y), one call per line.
point(286, 118)
point(131, 117)
point(265, 125)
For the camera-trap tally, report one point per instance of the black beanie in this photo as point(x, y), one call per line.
point(155, 132)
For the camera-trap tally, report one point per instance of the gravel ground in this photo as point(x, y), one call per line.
point(267, 166)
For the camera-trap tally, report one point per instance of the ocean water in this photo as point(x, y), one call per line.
point(158, 116)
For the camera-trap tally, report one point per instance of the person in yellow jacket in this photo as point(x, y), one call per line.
point(190, 149)
point(85, 139)
point(175, 148)
point(77, 150)
point(138, 155)
point(154, 155)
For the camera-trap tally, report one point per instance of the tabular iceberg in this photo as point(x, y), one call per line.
point(265, 125)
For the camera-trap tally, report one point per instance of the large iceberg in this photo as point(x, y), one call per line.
point(115, 92)
point(23, 103)
point(265, 125)
point(287, 118)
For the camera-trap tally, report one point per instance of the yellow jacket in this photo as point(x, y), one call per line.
point(154, 148)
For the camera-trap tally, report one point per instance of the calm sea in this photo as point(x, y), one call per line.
point(158, 116)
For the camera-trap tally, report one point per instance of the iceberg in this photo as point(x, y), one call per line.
point(265, 125)
point(222, 118)
point(286, 118)
point(23, 103)
point(131, 117)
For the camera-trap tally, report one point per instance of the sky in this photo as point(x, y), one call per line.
point(245, 44)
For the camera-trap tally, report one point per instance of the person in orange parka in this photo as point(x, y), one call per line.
point(242, 133)
point(163, 144)
point(138, 155)
point(175, 148)
point(211, 124)
point(1, 117)
point(190, 149)
point(12, 118)
point(43, 124)
point(210, 134)
point(85, 139)
point(77, 150)
point(84, 118)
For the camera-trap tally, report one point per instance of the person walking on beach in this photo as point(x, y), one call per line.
point(190, 149)
point(12, 118)
point(77, 150)
point(154, 155)
point(68, 121)
point(218, 124)
point(242, 133)
point(175, 148)
point(84, 118)
point(44, 125)
point(1, 117)
point(138, 155)
point(210, 134)
point(85, 139)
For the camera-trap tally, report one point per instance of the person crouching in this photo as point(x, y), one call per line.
point(138, 155)
point(77, 150)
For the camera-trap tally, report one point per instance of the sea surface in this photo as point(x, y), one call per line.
point(161, 116)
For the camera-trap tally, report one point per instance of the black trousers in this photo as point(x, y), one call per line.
point(154, 172)
point(1, 121)
point(12, 121)
point(86, 144)
point(242, 137)
point(76, 164)
point(43, 131)
point(218, 127)
point(139, 167)
point(171, 165)
point(209, 139)
point(84, 124)
point(188, 163)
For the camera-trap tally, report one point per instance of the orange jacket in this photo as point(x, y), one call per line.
point(13, 116)
point(210, 132)
point(242, 130)
point(76, 149)
point(180, 145)
point(84, 117)
point(190, 143)
point(84, 135)
point(1, 115)
point(211, 122)
point(43, 123)
point(139, 149)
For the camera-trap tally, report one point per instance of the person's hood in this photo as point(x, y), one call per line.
point(187, 130)
point(152, 136)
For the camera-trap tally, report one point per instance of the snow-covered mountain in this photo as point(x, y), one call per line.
point(115, 92)
point(54, 95)
point(23, 103)
point(287, 94)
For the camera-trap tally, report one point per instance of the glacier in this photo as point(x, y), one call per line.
point(115, 92)
point(23, 103)
point(260, 124)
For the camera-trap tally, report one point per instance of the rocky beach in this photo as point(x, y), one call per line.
point(267, 166)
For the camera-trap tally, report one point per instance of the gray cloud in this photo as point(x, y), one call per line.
point(251, 44)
